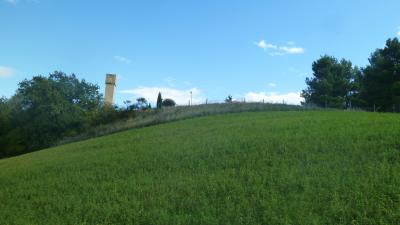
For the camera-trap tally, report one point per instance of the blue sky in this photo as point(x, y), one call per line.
point(249, 49)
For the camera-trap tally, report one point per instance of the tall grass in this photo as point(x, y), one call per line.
point(297, 167)
point(168, 114)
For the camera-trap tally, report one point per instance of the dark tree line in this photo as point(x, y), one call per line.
point(142, 104)
point(164, 102)
point(339, 84)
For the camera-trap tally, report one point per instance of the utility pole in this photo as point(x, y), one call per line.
point(191, 98)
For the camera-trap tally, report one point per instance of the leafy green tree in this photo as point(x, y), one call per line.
point(381, 82)
point(159, 101)
point(5, 113)
point(333, 84)
point(78, 92)
point(128, 104)
point(46, 109)
point(12, 136)
point(141, 103)
point(229, 99)
point(5, 125)
point(168, 102)
point(354, 97)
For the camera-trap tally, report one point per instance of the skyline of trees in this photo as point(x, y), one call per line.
point(332, 84)
point(339, 84)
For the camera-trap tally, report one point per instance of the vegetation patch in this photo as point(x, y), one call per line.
point(294, 167)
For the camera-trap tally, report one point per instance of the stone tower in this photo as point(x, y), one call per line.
point(110, 85)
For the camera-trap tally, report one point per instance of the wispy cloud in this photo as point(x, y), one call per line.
point(398, 32)
point(181, 97)
point(264, 45)
point(292, 98)
point(291, 50)
point(11, 1)
point(170, 81)
point(280, 50)
point(291, 43)
point(17, 1)
point(122, 59)
point(271, 84)
point(6, 72)
point(187, 83)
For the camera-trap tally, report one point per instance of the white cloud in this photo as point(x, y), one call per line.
point(187, 83)
point(271, 84)
point(398, 33)
point(276, 53)
point(291, 50)
point(291, 43)
point(122, 59)
point(280, 50)
point(264, 45)
point(170, 81)
point(292, 98)
point(6, 72)
point(14, 2)
point(181, 97)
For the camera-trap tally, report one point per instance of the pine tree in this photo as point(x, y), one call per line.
point(381, 81)
point(159, 101)
point(332, 84)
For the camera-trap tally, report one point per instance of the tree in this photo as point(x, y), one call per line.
point(333, 84)
point(141, 103)
point(5, 113)
point(78, 92)
point(5, 124)
point(229, 99)
point(381, 81)
point(159, 101)
point(354, 96)
point(168, 102)
point(45, 109)
point(128, 105)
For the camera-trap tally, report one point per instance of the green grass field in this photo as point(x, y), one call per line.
point(304, 167)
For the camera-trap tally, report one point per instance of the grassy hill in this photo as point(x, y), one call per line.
point(304, 167)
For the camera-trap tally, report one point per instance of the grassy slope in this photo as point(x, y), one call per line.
point(248, 168)
point(169, 114)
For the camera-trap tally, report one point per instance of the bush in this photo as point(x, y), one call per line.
point(168, 102)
